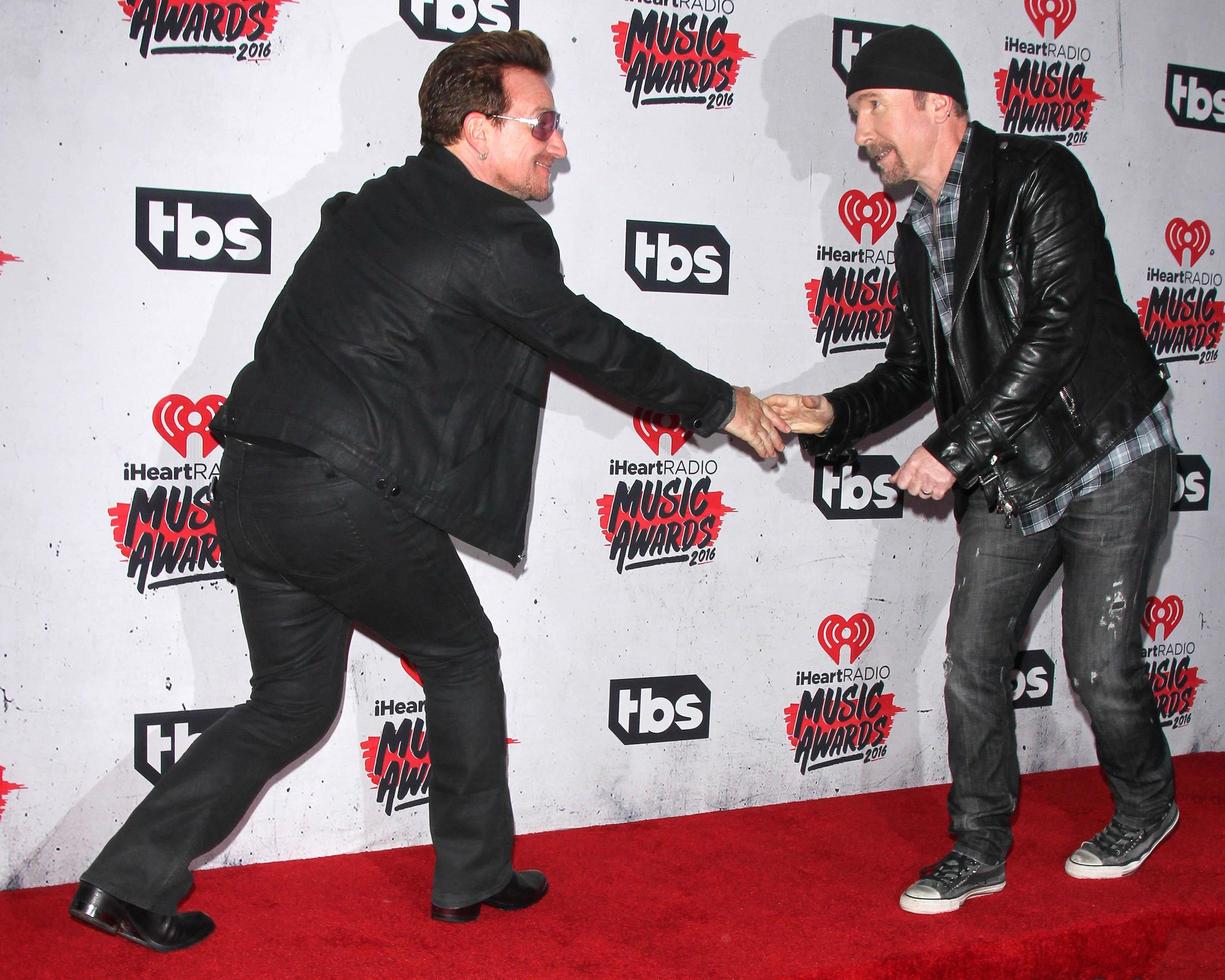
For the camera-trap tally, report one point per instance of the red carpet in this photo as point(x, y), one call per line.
point(796, 890)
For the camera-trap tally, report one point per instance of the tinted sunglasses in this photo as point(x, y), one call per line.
point(543, 126)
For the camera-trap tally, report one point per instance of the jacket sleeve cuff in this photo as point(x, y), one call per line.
point(970, 447)
point(717, 414)
point(834, 445)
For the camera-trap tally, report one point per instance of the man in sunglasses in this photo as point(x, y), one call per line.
point(394, 401)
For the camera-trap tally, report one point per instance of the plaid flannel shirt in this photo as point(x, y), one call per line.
point(936, 225)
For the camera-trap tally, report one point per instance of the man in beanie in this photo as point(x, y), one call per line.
point(1051, 433)
point(393, 401)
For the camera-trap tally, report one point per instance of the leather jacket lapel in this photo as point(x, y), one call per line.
point(973, 214)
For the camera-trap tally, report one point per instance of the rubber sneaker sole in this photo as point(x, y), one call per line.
point(1100, 872)
point(935, 906)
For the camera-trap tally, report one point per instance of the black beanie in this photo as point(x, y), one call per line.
point(907, 57)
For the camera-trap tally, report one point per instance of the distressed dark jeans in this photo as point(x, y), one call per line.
point(1106, 542)
point(311, 552)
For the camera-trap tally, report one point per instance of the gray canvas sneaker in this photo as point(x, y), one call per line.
point(946, 885)
point(1119, 850)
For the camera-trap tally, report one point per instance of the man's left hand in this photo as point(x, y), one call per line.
point(924, 475)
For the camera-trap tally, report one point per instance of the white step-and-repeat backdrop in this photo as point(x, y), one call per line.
point(692, 629)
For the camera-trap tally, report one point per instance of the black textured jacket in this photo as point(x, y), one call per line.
point(409, 348)
point(1047, 369)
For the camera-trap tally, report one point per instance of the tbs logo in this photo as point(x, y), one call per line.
point(659, 709)
point(669, 258)
point(849, 37)
point(199, 231)
point(449, 20)
point(1193, 481)
point(163, 737)
point(1032, 680)
point(1195, 97)
point(858, 491)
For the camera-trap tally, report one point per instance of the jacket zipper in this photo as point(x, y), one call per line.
point(978, 252)
point(1004, 506)
point(1070, 405)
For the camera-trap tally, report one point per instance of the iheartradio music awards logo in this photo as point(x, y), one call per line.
point(166, 534)
point(663, 511)
point(238, 29)
point(844, 714)
point(1045, 89)
point(683, 56)
point(1182, 317)
point(397, 760)
point(851, 306)
point(5, 788)
point(1170, 669)
point(6, 257)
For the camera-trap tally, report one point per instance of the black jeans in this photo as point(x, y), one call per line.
point(310, 552)
point(1106, 542)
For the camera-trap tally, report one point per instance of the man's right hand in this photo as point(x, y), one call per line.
point(757, 424)
point(808, 414)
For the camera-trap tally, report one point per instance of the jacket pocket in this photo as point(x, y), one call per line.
point(1000, 271)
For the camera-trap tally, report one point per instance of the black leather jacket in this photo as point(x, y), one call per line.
point(409, 348)
point(1047, 369)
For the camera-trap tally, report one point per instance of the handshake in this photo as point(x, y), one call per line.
point(759, 421)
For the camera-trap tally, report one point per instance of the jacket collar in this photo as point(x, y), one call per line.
point(442, 157)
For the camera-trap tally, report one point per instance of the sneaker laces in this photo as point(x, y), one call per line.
point(1117, 839)
point(950, 868)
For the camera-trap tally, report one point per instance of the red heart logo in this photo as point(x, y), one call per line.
point(1187, 236)
point(653, 426)
point(1059, 12)
point(855, 634)
point(176, 417)
point(858, 211)
point(1165, 613)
